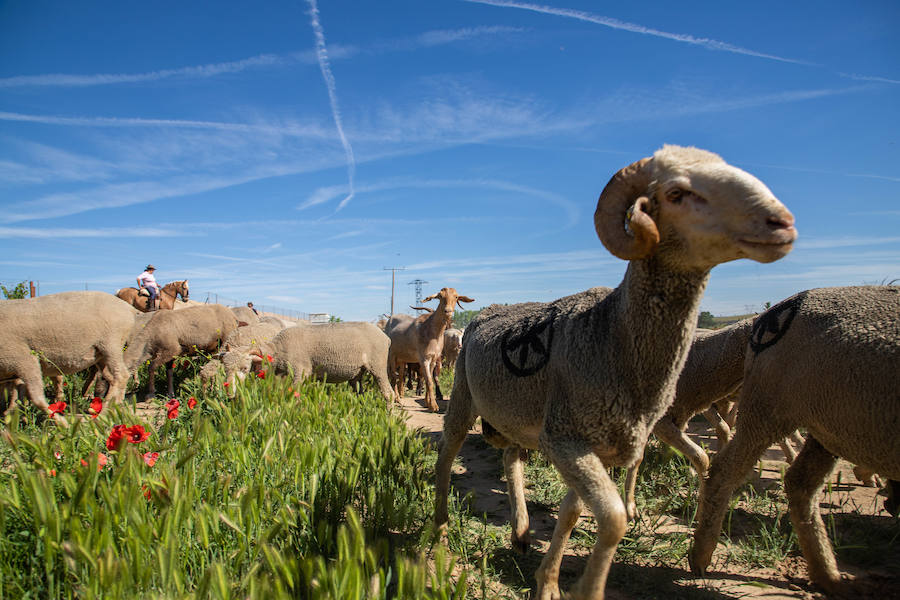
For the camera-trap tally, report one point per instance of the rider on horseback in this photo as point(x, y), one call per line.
point(147, 281)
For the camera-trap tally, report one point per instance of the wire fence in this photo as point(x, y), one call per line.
point(215, 298)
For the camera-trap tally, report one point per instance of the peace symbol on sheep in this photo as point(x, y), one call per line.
point(771, 326)
point(527, 352)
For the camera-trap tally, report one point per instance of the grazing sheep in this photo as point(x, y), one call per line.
point(61, 334)
point(585, 378)
point(827, 360)
point(334, 352)
point(452, 346)
point(421, 340)
point(258, 334)
point(283, 323)
point(168, 334)
point(245, 314)
point(209, 372)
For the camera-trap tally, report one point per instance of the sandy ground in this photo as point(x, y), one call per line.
point(480, 471)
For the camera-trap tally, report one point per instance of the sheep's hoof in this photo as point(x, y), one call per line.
point(521, 545)
point(694, 564)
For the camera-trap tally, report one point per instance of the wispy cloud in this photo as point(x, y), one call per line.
point(869, 78)
point(844, 242)
point(193, 72)
point(289, 128)
point(327, 194)
point(102, 232)
point(427, 39)
point(325, 67)
point(624, 26)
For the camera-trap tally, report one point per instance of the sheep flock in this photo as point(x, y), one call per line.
point(585, 378)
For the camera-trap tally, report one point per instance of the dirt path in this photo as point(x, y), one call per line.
point(852, 504)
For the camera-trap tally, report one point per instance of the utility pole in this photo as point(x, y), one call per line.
point(393, 271)
point(418, 283)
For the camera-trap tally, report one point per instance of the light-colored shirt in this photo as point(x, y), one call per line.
point(147, 280)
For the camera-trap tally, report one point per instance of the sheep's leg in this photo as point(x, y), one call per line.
point(459, 419)
point(547, 574)
point(425, 371)
point(586, 475)
point(151, 384)
point(790, 455)
point(727, 471)
point(384, 385)
point(723, 431)
point(513, 457)
point(90, 381)
point(59, 392)
point(170, 378)
point(437, 385)
point(867, 476)
point(803, 481)
point(630, 483)
point(673, 436)
point(12, 395)
point(33, 379)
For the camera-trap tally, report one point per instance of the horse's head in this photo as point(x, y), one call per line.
point(183, 290)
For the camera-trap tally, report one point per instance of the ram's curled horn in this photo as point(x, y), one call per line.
point(621, 220)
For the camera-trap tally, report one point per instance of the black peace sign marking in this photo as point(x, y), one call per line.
point(527, 352)
point(773, 324)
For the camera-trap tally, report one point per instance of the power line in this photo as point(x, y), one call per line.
point(418, 283)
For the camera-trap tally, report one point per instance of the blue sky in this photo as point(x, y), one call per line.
point(287, 152)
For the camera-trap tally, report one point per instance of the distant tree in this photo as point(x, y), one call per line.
point(461, 318)
point(334, 319)
point(20, 291)
point(706, 320)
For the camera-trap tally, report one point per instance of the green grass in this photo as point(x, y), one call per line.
point(311, 492)
point(315, 492)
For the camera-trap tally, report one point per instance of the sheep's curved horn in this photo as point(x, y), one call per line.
point(621, 220)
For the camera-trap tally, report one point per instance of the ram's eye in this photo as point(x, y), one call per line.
point(674, 195)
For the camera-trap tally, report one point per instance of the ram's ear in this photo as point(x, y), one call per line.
point(464, 299)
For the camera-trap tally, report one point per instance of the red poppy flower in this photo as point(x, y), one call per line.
point(146, 489)
point(192, 402)
point(136, 434)
point(172, 408)
point(96, 407)
point(261, 374)
point(296, 394)
point(52, 472)
point(150, 458)
point(57, 455)
point(101, 461)
point(269, 357)
point(116, 437)
point(57, 407)
point(226, 384)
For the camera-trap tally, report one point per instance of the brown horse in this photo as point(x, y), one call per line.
point(141, 300)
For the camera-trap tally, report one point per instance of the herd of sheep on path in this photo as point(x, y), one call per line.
point(585, 378)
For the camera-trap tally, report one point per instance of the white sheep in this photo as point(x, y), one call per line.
point(827, 360)
point(585, 378)
point(334, 352)
point(170, 333)
point(61, 334)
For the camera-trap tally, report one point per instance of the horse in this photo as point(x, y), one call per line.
point(140, 298)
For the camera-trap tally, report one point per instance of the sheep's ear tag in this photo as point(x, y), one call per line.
point(628, 216)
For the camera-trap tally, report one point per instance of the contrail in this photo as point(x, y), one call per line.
point(622, 25)
point(322, 54)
